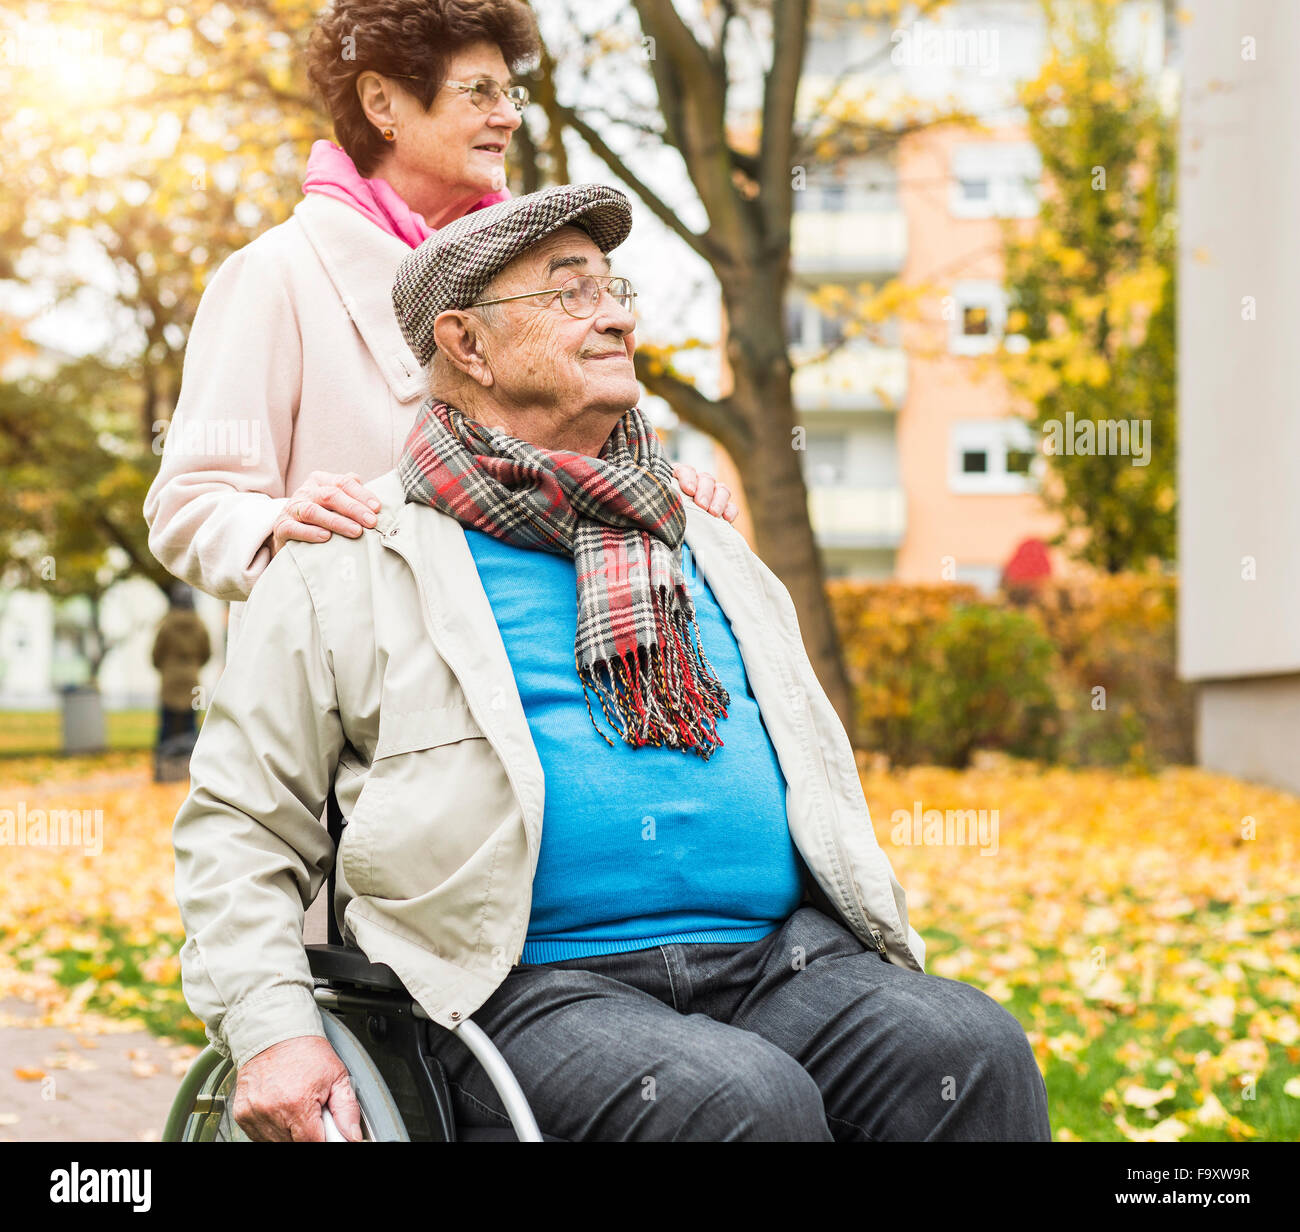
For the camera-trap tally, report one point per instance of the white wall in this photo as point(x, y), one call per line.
point(1239, 380)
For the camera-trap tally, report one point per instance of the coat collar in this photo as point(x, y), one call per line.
point(465, 629)
point(361, 260)
point(466, 634)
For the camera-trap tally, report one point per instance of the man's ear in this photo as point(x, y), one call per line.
point(459, 337)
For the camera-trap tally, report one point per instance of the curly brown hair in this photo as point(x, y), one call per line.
point(411, 38)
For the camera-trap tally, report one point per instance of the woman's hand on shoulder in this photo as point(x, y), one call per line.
point(326, 504)
point(708, 492)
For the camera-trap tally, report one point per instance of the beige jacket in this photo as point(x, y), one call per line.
point(295, 363)
point(376, 663)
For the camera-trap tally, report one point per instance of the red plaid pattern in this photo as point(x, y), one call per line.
point(621, 520)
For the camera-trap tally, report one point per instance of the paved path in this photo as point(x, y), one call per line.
point(83, 1085)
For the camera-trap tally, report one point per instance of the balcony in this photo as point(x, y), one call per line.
point(840, 242)
point(856, 517)
point(854, 378)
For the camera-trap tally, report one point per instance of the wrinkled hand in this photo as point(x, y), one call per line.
point(280, 1093)
point(708, 492)
point(325, 504)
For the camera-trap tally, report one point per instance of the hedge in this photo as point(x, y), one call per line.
point(1081, 672)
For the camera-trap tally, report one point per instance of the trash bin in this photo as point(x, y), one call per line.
point(83, 719)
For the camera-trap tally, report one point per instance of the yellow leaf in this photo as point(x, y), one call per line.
point(1144, 1097)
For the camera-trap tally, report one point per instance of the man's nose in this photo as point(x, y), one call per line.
point(612, 317)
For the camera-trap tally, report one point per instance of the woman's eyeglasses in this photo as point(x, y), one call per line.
point(579, 295)
point(483, 92)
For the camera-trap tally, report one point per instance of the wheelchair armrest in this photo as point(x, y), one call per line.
point(345, 964)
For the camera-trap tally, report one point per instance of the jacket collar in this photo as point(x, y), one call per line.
point(466, 633)
point(361, 260)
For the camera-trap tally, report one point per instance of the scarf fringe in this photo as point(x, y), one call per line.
point(666, 696)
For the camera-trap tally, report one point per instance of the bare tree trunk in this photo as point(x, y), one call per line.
point(774, 480)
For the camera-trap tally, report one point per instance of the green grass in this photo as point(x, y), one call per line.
point(31, 733)
point(121, 987)
point(1081, 1092)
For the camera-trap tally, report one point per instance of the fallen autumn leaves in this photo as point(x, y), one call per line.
point(1150, 948)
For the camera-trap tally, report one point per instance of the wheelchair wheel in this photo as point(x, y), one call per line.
point(201, 1112)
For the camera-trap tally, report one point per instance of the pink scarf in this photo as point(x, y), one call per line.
point(332, 173)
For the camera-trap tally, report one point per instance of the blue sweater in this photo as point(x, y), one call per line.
point(640, 846)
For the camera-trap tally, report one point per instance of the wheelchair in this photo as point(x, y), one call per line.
point(386, 1041)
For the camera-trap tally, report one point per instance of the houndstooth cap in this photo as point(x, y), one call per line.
point(451, 268)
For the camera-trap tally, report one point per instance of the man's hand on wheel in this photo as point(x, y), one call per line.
point(281, 1091)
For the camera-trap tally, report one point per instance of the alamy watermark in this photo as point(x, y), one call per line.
point(927, 44)
point(950, 828)
point(1088, 437)
point(24, 827)
point(124, 1186)
point(209, 438)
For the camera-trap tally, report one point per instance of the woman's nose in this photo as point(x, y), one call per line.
point(505, 115)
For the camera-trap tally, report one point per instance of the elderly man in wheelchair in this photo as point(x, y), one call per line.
point(662, 917)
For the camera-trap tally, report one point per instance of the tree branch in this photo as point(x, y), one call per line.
point(718, 418)
point(693, 98)
point(789, 37)
point(148, 568)
point(543, 83)
point(599, 146)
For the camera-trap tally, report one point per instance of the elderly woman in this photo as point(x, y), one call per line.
point(298, 384)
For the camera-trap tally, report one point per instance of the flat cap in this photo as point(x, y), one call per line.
point(451, 268)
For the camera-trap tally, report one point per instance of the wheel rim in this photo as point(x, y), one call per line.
point(211, 1119)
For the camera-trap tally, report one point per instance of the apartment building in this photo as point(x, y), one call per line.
point(917, 463)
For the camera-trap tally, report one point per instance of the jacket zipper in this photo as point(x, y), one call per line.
point(386, 537)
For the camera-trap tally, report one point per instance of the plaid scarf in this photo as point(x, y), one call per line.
point(620, 519)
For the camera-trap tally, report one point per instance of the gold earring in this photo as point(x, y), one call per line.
point(388, 134)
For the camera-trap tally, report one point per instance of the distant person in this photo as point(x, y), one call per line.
point(180, 650)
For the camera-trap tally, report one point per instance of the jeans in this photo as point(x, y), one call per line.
point(175, 723)
point(803, 1035)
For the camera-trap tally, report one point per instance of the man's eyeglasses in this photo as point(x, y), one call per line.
point(579, 295)
point(483, 92)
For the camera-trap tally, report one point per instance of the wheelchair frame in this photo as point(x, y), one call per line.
point(385, 1039)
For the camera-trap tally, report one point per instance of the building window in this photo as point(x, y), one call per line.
point(974, 320)
point(825, 459)
point(1019, 461)
point(995, 179)
point(992, 456)
point(794, 321)
point(834, 198)
point(825, 197)
point(985, 578)
point(979, 318)
point(857, 185)
point(832, 329)
point(809, 329)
